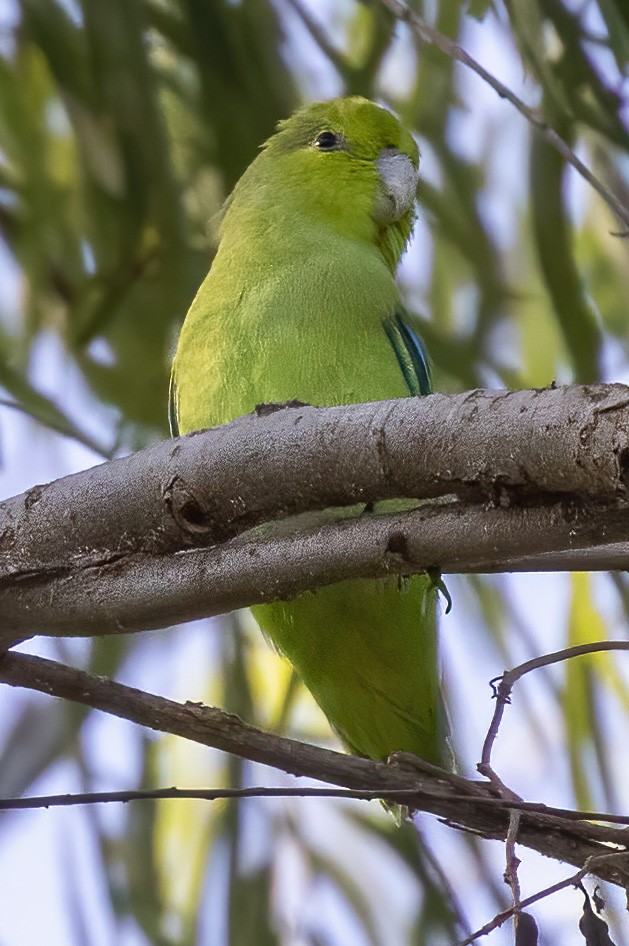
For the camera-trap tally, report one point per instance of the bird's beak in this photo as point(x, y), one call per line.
point(396, 194)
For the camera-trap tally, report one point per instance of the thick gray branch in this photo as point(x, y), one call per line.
point(524, 480)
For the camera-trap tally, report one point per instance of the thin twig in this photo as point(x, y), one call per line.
point(451, 49)
point(211, 794)
point(202, 794)
point(503, 688)
point(512, 860)
point(572, 881)
point(559, 655)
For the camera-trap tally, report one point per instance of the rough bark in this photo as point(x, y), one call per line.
point(522, 479)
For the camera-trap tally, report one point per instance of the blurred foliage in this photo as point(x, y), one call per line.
point(123, 125)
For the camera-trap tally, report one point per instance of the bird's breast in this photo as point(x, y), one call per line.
point(311, 330)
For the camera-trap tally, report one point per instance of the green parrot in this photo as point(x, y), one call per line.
point(301, 303)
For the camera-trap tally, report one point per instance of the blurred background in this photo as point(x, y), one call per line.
point(123, 126)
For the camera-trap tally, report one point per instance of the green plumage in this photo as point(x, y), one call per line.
point(301, 302)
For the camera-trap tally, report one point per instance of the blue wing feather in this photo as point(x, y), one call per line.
point(172, 407)
point(410, 353)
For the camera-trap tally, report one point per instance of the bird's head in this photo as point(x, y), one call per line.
point(347, 163)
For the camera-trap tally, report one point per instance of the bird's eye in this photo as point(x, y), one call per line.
point(328, 141)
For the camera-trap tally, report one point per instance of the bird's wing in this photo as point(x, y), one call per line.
point(173, 423)
point(409, 351)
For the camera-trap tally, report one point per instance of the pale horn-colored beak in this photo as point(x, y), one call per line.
point(399, 182)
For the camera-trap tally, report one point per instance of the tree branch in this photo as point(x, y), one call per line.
point(465, 804)
point(503, 687)
point(428, 34)
point(524, 480)
point(592, 866)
